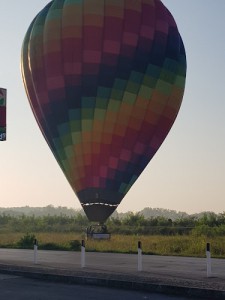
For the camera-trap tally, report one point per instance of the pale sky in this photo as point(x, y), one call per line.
point(188, 171)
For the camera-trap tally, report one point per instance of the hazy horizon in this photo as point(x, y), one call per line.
point(132, 211)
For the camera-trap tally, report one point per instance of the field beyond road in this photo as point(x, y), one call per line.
point(179, 245)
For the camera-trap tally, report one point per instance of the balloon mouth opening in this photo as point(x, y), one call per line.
point(97, 211)
point(99, 203)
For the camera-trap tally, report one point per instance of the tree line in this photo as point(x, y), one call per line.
point(147, 212)
point(209, 224)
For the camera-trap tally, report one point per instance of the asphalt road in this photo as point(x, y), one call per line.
point(171, 275)
point(182, 267)
point(19, 288)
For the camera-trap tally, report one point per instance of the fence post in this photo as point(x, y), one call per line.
point(82, 254)
point(208, 260)
point(139, 256)
point(35, 251)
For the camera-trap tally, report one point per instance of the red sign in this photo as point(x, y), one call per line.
point(2, 114)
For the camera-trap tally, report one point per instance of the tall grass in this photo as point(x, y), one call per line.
point(187, 245)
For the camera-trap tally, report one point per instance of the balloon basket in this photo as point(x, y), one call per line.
point(97, 232)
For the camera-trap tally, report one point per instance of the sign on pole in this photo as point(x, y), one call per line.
point(2, 114)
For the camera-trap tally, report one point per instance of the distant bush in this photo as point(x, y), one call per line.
point(27, 241)
point(75, 245)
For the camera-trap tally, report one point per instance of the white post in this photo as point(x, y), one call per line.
point(35, 251)
point(208, 260)
point(139, 257)
point(82, 254)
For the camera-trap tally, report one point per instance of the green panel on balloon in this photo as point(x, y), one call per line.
point(105, 80)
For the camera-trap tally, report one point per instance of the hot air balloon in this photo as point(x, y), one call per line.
point(105, 80)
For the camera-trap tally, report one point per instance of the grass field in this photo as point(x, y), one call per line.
point(159, 245)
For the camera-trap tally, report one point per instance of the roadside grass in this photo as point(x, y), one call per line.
point(180, 245)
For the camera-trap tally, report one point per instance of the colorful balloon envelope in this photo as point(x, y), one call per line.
point(105, 80)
